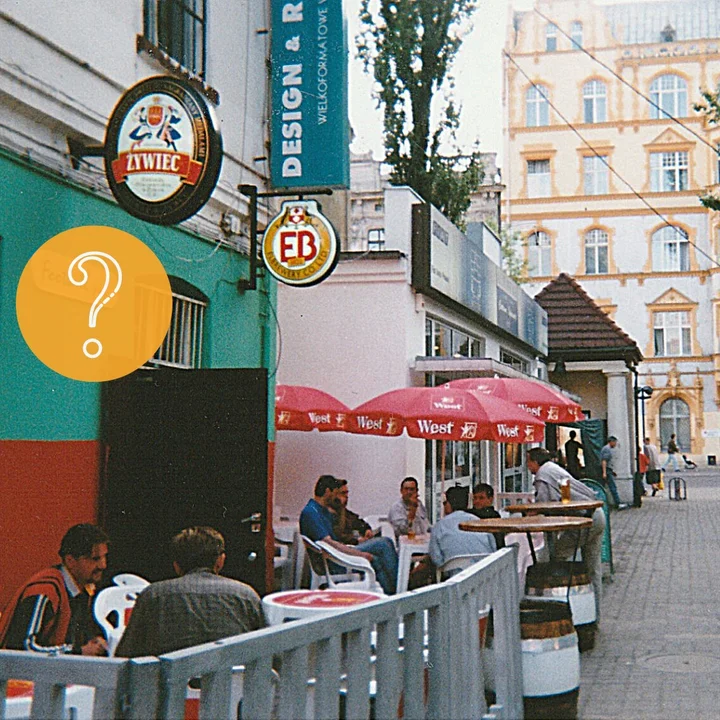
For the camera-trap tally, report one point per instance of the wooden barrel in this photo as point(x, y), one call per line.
point(550, 581)
point(550, 660)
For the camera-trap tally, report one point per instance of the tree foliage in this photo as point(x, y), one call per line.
point(511, 245)
point(410, 45)
point(710, 107)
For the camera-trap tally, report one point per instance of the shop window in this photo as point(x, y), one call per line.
point(576, 34)
point(596, 252)
point(376, 239)
point(539, 254)
point(537, 110)
point(672, 333)
point(668, 171)
point(594, 102)
point(178, 28)
point(538, 178)
point(669, 96)
point(675, 420)
point(183, 344)
point(508, 358)
point(595, 174)
point(670, 250)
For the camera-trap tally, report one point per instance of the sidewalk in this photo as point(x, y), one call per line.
point(657, 654)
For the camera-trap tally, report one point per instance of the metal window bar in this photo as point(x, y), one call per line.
point(182, 346)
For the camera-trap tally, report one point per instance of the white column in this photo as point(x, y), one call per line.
point(620, 424)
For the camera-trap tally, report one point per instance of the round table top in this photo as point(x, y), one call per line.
point(322, 599)
point(554, 507)
point(535, 523)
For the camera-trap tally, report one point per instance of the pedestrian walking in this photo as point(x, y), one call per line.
point(673, 450)
point(608, 463)
point(652, 474)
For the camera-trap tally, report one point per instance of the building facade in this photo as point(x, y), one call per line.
point(605, 161)
point(62, 73)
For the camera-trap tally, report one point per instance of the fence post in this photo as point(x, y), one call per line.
point(139, 695)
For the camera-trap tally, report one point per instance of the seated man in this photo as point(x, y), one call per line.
point(316, 522)
point(197, 607)
point(483, 497)
point(548, 476)
point(52, 612)
point(408, 512)
point(349, 527)
point(447, 540)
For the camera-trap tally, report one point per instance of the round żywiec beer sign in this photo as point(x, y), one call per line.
point(299, 245)
point(162, 151)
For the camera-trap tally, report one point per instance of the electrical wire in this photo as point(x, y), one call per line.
point(664, 113)
point(278, 357)
point(603, 159)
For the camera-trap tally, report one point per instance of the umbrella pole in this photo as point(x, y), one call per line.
point(442, 467)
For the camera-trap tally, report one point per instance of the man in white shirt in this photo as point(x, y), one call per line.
point(408, 512)
point(447, 540)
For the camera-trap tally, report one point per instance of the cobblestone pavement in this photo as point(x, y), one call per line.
point(657, 653)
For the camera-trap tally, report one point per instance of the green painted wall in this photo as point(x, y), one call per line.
point(38, 404)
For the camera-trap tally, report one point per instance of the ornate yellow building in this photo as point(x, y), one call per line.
point(603, 184)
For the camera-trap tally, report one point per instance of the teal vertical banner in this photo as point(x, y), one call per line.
point(310, 131)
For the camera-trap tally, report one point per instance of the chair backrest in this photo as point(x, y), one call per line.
point(353, 564)
point(130, 580)
point(456, 564)
point(112, 608)
point(318, 566)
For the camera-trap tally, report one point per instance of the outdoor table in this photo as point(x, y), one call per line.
point(528, 525)
point(555, 507)
point(299, 604)
point(419, 545)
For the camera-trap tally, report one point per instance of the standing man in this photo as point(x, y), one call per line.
point(408, 512)
point(607, 462)
point(652, 474)
point(548, 476)
point(572, 462)
point(447, 540)
point(194, 608)
point(316, 522)
point(52, 612)
point(673, 451)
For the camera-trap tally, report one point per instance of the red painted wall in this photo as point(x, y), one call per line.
point(46, 488)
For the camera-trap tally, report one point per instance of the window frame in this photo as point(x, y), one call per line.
point(551, 31)
point(537, 108)
point(597, 240)
point(596, 175)
point(539, 184)
point(669, 171)
point(379, 243)
point(666, 333)
point(663, 240)
point(595, 102)
point(543, 253)
point(576, 29)
point(677, 96)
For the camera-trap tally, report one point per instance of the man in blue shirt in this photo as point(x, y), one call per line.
point(316, 522)
point(607, 462)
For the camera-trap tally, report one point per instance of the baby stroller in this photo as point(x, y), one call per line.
point(689, 464)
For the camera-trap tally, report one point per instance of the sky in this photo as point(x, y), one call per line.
point(478, 74)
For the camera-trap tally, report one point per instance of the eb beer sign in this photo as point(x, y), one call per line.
point(162, 151)
point(299, 246)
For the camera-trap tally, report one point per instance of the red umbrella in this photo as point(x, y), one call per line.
point(445, 413)
point(536, 398)
point(304, 408)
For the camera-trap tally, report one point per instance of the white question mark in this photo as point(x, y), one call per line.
point(100, 300)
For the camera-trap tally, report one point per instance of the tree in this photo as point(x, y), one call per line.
point(711, 109)
point(410, 46)
point(511, 244)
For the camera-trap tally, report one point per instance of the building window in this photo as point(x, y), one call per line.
point(675, 420)
point(442, 340)
point(177, 27)
point(376, 239)
point(672, 333)
point(551, 37)
point(596, 252)
point(576, 34)
point(594, 102)
point(537, 109)
point(669, 95)
point(595, 175)
point(539, 254)
point(508, 358)
point(538, 178)
point(182, 346)
point(668, 171)
point(668, 34)
point(670, 250)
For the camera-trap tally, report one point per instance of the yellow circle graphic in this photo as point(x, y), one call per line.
point(94, 303)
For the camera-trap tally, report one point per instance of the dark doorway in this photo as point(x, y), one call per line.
point(185, 447)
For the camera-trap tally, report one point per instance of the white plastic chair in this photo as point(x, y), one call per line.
point(112, 610)
point(353, 564)
point(456, 564)
point(130, 580)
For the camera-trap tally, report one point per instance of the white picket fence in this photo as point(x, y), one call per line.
point(348, 665)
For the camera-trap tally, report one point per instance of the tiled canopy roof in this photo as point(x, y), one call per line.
point(578, 329)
